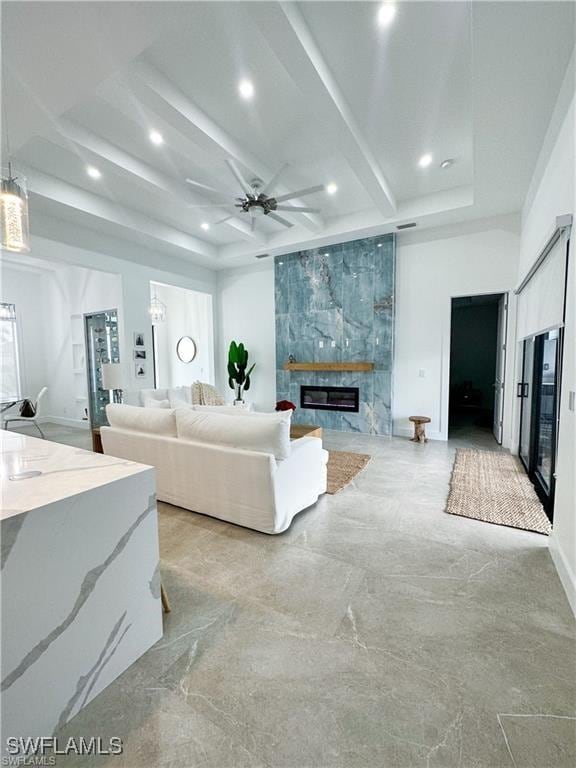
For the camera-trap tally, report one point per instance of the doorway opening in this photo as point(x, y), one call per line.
point(477, 367)
point(186, 314)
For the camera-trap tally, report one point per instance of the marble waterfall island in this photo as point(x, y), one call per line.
point(80, 578)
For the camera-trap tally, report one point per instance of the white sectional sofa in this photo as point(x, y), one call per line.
point(240, 468)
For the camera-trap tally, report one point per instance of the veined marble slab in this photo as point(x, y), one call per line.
point(65, 471)
point(80, 579)
point(337, 304)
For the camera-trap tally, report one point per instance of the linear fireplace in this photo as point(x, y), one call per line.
point(330, 398)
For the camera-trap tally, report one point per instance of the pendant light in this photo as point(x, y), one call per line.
point(14, 213)
point(157, 310)
point(13, 206)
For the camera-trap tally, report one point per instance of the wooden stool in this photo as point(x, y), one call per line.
point(165, 604)
point(419, 428)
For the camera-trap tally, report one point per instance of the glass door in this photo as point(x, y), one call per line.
point(102, 345)
point(539, 390)
point(525, 392)
point(545, 414)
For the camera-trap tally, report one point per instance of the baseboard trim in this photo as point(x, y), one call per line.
point(63, 421)
point(567, 578)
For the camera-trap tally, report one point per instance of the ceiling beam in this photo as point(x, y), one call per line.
point(285, 29)
point(65, 194)
point(169, 101)
point(142, 172)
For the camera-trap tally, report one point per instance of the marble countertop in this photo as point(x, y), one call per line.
point(59, 471)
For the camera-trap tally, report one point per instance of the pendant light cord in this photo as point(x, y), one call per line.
point(5, 122)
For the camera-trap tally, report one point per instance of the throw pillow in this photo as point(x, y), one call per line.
point(152, 403)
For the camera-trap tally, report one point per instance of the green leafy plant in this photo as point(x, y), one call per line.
point(238, 376)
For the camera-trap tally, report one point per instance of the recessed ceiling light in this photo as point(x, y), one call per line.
point(331, 188)
point(425, 161)
point(447, 163)
point(156, 138)
point(205, 226)
point(246, 89)
point(93, 172)
point(386, 14)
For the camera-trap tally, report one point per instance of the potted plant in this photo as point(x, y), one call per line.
point(238, 376)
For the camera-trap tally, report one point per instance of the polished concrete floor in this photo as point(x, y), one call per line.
point(378, 632)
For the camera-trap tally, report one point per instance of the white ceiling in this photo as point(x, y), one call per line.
point(337, 98)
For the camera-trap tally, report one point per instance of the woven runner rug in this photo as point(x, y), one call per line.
point(343, 467)
point(493, 487)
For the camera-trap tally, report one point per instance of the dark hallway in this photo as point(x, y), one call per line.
point(473, 367)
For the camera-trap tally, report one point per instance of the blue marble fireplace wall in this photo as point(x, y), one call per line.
point(337, 304)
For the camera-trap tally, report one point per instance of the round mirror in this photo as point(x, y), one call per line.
point(186, 349)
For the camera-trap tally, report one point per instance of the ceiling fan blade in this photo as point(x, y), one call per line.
point(280, 220)
point(238, 176)
point(297, 209)
point(208, 205)
point(300, 193)
point(207, 187)
point(273, 181)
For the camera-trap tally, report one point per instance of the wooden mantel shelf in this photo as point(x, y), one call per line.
point(350, 366)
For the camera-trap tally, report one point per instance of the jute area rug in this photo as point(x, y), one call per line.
point(493, 487)
point(343, 467)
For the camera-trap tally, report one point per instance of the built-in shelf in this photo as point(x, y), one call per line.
point(343, 366)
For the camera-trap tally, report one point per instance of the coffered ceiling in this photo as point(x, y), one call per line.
point(338, 98)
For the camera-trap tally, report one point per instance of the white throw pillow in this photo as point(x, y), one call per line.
point(227, 410)
point(268, 434)
point(156, 421)
point(179, 396)
point(152, 403)
point(155, 394)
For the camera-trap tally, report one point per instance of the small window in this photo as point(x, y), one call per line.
point(10, 388)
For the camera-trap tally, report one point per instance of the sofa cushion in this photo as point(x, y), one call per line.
point(151, 402)
point(268, 434)
point(157, 421)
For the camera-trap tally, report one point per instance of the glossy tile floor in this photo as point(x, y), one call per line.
point(378, 632)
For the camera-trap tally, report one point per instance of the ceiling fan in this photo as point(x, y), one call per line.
point(256, 201)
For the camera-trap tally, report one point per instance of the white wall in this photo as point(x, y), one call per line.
point(50, 303)
point(135, 297)
point(68, 284)
point(246, 314)
point(432, 267)
point(73, 292)
point(554, 196)
point(26, 289)
point(188, 313)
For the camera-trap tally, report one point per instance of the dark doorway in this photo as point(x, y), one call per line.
point(477, 364)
